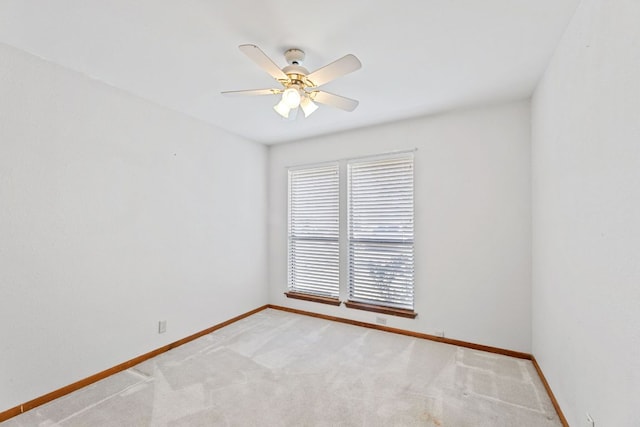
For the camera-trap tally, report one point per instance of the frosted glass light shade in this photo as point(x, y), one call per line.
point(282, 108)
point(291, 97)
point(308, 106)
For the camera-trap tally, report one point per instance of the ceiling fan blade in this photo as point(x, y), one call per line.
point(259, 57)
point(345, 65)
point(252, 92)
point(326, 98)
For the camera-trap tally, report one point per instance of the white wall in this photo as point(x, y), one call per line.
point(473, 220)
point(586, 216)
point(114, 213)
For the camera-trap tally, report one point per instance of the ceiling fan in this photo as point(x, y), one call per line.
point(298, 85)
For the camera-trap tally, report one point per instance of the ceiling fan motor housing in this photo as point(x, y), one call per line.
point(296, 73)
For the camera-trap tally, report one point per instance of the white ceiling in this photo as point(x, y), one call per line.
point(419, 56)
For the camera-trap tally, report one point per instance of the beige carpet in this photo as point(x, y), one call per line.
point(280, 369)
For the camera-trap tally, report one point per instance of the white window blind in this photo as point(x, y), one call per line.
point(380, 233)
point(314, 231)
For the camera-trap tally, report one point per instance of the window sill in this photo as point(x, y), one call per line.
point(380, 309)
point(313, 298)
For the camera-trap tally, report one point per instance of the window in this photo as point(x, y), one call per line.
point(313, 230)
point(380, 234)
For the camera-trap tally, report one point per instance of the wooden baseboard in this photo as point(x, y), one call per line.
point(497, 350)
point(563, 420)
point(12, 412)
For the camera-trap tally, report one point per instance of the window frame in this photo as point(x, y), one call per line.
point(344, 255)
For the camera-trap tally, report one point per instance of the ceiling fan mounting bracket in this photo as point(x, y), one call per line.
point(294, 56)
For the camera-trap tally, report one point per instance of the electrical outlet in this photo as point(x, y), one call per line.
point(590, 422)
point(439, 334)
point(381, 320)
point(162, 326)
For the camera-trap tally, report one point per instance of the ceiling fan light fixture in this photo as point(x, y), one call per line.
point(282, 108)
point(308, 106)
point(291, 97)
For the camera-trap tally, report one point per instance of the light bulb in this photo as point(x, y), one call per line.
point(282, 108)
point(308, 106)
point(291, 97)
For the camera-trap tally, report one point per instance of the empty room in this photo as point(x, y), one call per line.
point(341, 213)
